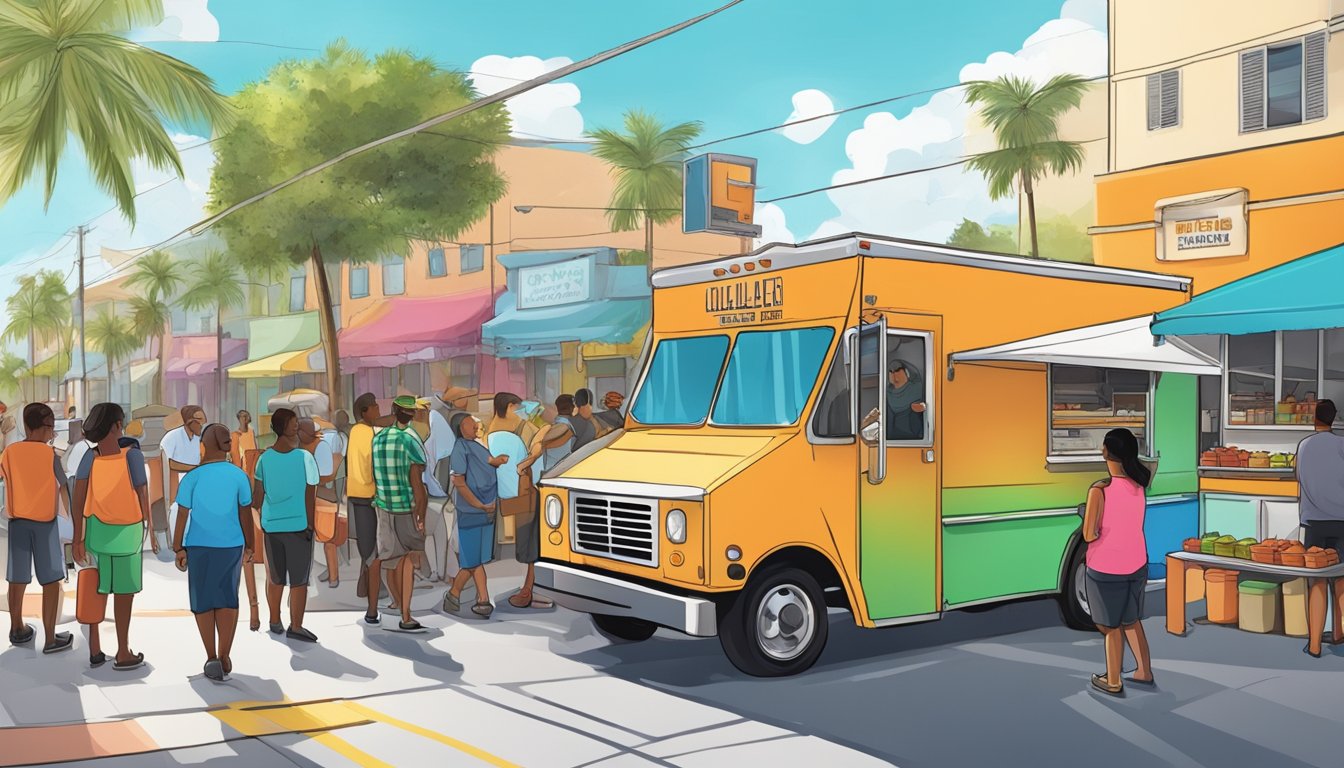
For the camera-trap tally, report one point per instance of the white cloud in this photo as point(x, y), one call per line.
point(774, 226)
point(928, 206)
point(550, 110)
point(183, 21)
point(809, 103)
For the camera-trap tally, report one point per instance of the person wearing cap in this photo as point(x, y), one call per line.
point(400, 502)
point(905, 405)
point(212, 540)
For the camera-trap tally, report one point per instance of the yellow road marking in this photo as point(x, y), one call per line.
point(461, 746)
point(271, 718)
point(349, 751)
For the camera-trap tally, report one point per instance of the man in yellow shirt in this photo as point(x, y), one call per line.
point(359, 492)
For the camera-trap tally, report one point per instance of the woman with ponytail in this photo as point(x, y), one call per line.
point(1117, 559)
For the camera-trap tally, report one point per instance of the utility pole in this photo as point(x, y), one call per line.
point(83, 361)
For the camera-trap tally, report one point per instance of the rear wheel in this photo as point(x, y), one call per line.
point(1073, 597)
point(624, 628)
point(777, 625)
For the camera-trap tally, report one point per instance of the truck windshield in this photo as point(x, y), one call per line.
point(770, 374)
point(680, 383)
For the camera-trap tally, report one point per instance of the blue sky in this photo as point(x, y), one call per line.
point(736, 72)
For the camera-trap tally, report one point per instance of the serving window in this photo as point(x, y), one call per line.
point(1087, 402)
point(1275, 379)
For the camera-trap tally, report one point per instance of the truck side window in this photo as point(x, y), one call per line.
point(906, 389)
point(832, 416)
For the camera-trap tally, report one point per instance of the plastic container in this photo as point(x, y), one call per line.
point(1258, 606)
point(1295, 608)
point(1220, 588)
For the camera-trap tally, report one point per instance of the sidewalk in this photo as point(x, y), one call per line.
point(467, 691)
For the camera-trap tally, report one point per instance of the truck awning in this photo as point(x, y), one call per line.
point(1126, 344)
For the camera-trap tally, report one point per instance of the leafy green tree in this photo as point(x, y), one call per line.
point(38, 310)
point(159, 276)
point(1063, 240)
point(12, 370)
point(969, 234)
point(1025, 121)
point(646, 159)
point(215, 284)
point(66, 68)
point(114, 336)
point(430, 186)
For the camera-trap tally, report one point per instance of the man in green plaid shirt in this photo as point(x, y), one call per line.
point(400, 503)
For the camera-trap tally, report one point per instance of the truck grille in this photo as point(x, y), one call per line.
point(615, 527)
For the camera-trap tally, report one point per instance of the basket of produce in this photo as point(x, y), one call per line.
point(1294, 555)
point(1206, 542)
point(1242, 549)
point(1264, 552)
point(1317, 557)
point(1258, 460)
point(1225, 546)
point(1279, 461)
point(1208, 459)
point(1190, 545)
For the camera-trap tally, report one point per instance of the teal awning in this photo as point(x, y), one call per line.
point(1301, 295)
point(517, 332)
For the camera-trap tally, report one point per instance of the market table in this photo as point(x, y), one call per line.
point(1179, 562)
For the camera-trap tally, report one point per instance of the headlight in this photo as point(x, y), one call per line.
point(554, 511)
point(676, 526)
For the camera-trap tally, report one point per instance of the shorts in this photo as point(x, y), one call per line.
point(527, 538)
point(1326, 534)
point(475, 545)
point(36, 546)
point(212, 577)
point(1116, 600)
point(397, 537)
point(289, 557)
point(365, 523)
point(119, 574)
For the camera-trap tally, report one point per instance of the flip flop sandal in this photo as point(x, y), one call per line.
point(483, 610)
point(412, 627)
point(24, 637)
point(1145, 683)
point(1099, 682)
point(373, 620)
point(452, 603)
point(64, 641)
point(277, 628)
point(98, 661)
point(135, 663)
point(214, 670)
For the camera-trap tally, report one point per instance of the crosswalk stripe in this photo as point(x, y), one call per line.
point(457, 744)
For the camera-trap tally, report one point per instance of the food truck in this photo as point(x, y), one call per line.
point(890, 427)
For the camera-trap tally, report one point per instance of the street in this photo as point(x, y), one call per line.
point(545, 689)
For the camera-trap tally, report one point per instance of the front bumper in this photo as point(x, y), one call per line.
point(595, 593)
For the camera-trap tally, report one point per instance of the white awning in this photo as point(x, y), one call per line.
point(143, 370)
point(1126, 344)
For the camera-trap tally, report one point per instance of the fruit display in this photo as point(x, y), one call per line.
point(1232, 457)
point(1318, 557)
point(1294, 555)
point(1225, 546)
point(1242, 549)
point(1267, 552)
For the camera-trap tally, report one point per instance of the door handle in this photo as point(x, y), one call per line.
point(928, 456)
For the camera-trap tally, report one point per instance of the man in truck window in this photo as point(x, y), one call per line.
point(905, 405)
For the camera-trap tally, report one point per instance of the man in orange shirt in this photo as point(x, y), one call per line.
point(34, 483)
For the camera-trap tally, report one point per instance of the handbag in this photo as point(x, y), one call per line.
point(90, 606)
point(330, 527)
point(522, 506)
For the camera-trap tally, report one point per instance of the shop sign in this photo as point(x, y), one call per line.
point(1208, 227)
point(549, 285)
point(743, 302)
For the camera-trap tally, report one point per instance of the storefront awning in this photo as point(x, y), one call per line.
point(192, 356)
point(143, 370)
point(404, 330)
point(533, 332)
point(280, 365)
point(1126, 344)
point(1300, 295)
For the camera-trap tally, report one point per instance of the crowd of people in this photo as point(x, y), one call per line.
point(421, 490)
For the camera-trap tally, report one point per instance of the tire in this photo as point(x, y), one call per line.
point(1073, 594)
point(623, 628)
point(780, 599)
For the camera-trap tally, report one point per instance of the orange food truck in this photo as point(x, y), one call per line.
point(890, 427)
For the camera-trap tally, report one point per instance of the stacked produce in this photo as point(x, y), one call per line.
point(1232, 457)
point(1268, 552)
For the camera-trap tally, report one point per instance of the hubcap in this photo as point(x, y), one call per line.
point(1080, 587)
point(785, 622)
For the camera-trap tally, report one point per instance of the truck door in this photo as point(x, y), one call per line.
point(899, 492)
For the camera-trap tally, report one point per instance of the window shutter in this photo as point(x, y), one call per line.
point(1313, 75)
point(1253, 90)
point(1154, 102)
point(1171, 98)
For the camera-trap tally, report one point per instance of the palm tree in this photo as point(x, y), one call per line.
point(160, 275)
point(66, 67)
point(1025, 121)
point(216, 285)
point(647, 160)
point(12, 370)
point(39, 308)
point(114, 336)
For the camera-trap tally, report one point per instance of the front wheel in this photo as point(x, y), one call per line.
point(1073, 597)
point(624, 628)
point(777, 625)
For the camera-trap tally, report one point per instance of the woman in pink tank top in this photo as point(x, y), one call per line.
point(1117, 559)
